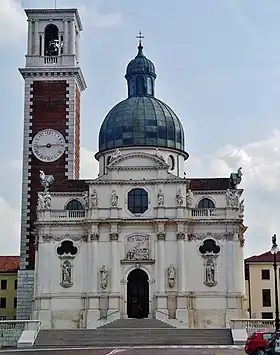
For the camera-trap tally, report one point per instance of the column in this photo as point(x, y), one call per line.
point(36, 49)
point(65, 38)
point(72, 38)
point(77, 48)
point(181, 258)
point(115, 279)
point(161, 262)
point(43, 44)
point(30, 39)
point(94, 238)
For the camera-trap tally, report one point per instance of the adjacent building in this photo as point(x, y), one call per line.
point(9, 266)
point(141, 240)
point(259, 281)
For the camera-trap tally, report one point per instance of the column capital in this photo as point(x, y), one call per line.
point(114, 236)
point(94, 236)
point(181, 236)
point(161, 236)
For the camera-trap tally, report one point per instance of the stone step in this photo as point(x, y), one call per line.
point(132, 337)
point(137, 323)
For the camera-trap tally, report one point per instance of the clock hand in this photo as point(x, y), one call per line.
point(49, 145)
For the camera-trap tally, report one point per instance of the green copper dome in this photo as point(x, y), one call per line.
point(141, 119)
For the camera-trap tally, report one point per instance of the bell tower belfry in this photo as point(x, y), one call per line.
point(53, 86)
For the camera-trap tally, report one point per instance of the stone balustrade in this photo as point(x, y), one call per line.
point(253, 325)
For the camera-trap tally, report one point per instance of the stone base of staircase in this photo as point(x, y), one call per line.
point(132, 332)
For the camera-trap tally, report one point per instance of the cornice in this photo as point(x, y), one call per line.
point(41, 72)
point(176, 180)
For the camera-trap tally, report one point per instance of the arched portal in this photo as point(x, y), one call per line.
point(137, 294)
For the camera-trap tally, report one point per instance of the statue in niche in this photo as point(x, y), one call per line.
point(85, 198)
point(66, 274)
point(114, 199)
point(94, 199)
point(171, 276)
point(44, 201)
point(104, 273)
point(210, 273)
point(116, 154)
point(160, 198)
point(232, 199)
point(189, 199)
point(46, 180)
point(179, 198)
point(137, 247)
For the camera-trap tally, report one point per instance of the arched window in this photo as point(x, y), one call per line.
point(139, 85)
point(130, 87)
point(206, 203)
point(149, 86)
point(171, 162)
point(137, 201)
point(51, 40)
point(74, 205)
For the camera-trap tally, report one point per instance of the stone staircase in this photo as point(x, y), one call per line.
point(132, 332)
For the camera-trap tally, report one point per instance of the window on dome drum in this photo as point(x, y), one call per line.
point(137, 201)
point(74, 205)
point(149, 86)
point(206, 203)
point(171, 162)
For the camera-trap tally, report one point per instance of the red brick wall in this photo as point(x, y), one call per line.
point(77, 133)
point(49, 104)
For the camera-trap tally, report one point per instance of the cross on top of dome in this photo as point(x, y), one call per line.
point(140, 37)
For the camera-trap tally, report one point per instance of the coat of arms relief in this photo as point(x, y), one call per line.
point(137, 248)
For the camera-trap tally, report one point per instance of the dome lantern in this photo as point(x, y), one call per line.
point(140, 74)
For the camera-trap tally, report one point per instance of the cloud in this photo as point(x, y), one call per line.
point(89, 166)
point(93, 17)
point(10, 228)
point(12, 21)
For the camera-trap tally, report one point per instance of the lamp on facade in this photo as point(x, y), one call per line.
point(274, 252)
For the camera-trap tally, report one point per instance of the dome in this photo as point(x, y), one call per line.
point(140, 65)
point(141, 121)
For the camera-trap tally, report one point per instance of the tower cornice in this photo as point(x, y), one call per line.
point(44, 73)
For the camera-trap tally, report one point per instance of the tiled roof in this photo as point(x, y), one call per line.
point(210, 184)
point(262, 258)
point(9, 263)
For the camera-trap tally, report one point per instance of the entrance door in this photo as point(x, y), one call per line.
point(137, 294)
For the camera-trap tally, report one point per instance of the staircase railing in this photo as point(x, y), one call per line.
point(104, 319)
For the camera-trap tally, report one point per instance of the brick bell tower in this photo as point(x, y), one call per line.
point(53, 83)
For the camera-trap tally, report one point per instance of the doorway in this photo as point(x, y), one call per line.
point(137, 294)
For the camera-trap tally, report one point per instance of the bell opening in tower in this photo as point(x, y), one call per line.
point(52, 43)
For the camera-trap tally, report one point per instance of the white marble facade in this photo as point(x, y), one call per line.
point(192, 258)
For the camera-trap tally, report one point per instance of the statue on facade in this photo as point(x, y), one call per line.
point(189, 199)
point(158, 154)
point(179, 198)
point(235, 178)
point(171, 276)
point(232, 198)
point(85, 198)
point(160, 197)
point(104, 273)
point(46, 180)
point(114, 199)
point(66, 274)
point(94, 199)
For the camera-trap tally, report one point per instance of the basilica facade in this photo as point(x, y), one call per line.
point(140, 240)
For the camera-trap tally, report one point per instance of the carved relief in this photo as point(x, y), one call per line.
point(44, 201)
point(85, 198)
point(158, 154)
point(117, 153)
point(232, 198)
point(217, 236)
point(137, 247)
point(160, 197)
point(241, 209)
point(94, 199)
point(114, 199)
point(104, 273)
point(171, 276)
point(179, 198)
point(189, 199)
point(210, 273)
point(66, 274)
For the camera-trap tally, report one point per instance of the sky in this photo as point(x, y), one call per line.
point(218, 67)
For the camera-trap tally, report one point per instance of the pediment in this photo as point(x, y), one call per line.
point(138, 161)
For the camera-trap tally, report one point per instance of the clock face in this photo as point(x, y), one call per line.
point(48, 145)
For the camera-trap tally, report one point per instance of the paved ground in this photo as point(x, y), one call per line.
point(134, 351)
